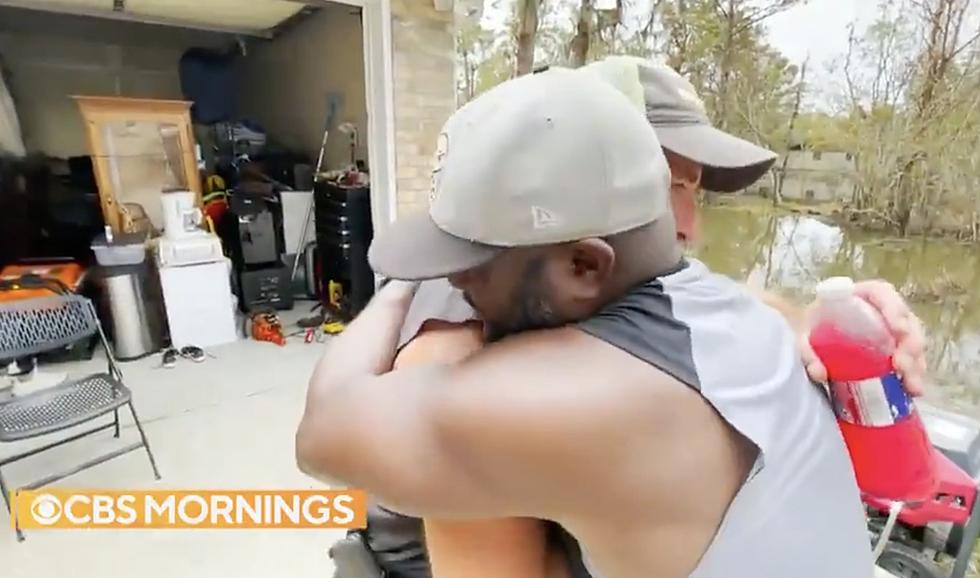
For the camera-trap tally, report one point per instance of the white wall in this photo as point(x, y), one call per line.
point(286, 83)
point(50, 57)
point(819, 176)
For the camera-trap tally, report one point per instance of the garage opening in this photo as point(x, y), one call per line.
point(97, 166)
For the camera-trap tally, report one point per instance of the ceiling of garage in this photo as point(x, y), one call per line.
point(252, 16)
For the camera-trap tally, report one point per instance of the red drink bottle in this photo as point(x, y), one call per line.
point(888, 444)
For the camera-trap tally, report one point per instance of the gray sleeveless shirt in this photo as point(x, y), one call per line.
point(799, 513)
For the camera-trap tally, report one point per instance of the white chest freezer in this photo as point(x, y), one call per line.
point(200, 305)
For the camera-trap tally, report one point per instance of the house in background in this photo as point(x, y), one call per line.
point(811, 176)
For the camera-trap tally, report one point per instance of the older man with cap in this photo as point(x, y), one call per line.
point(620, 397)
point(703, 157)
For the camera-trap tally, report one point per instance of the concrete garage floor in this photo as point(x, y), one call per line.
point(225, 423)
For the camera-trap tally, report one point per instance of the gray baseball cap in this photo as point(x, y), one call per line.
point(545, 158)
point(679, 117)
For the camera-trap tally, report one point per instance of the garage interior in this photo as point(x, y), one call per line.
point(266, 81)
point(189, 182)
point(292, 61)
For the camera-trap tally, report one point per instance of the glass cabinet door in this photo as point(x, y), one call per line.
point(141, 149)
point(144, 160)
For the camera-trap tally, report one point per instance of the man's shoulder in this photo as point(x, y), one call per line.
point(561, 405)
point(722, 312)
point(553, 362)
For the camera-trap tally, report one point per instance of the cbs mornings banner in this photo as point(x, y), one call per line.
point(53, 508)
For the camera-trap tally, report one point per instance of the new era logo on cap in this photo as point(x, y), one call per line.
point(541, 218)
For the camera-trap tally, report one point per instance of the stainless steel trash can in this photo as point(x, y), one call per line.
point(130, 295)
point(134, 308)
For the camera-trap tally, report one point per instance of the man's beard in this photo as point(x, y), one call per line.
point(533, 309)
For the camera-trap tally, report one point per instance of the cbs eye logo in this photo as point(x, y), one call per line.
point(46, 509)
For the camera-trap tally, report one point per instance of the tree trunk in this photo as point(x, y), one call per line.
point(527, 30)
point(777, 196)
point(727, 61)
point(467, 77)
point(902, 207)
point(579, 46)
point(679, 60)
point(771, 227)
point(651, 20)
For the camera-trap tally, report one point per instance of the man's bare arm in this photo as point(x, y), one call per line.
point(505, 432)
point(369, 343)
point(476, 548)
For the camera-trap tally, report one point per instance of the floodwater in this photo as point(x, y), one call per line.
point(791, 252)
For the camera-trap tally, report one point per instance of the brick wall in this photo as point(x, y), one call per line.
point(424, 93)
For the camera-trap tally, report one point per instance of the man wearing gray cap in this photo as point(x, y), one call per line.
point(621, 398)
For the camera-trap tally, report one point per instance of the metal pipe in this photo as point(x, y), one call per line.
point(35, 451)
point(146, 442)
point(301, 245)
point(970, 534)
point(886, 532)
point(82, 466)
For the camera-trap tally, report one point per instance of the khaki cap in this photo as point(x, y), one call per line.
point(542, 159)
point(678, 115)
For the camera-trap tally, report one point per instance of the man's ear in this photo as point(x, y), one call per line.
point(685, 205)
point(590, 263)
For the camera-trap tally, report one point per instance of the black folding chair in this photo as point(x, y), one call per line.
point(32, 326)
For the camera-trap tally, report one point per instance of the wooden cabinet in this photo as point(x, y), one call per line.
point(140, 148)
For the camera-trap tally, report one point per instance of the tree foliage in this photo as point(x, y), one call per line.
point(904, 99)
point(912, 105)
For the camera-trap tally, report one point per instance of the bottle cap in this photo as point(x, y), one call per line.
point(835, 288)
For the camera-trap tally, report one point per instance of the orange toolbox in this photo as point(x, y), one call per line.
point(40, 279)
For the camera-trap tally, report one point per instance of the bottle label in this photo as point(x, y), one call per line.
point(876, 402)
